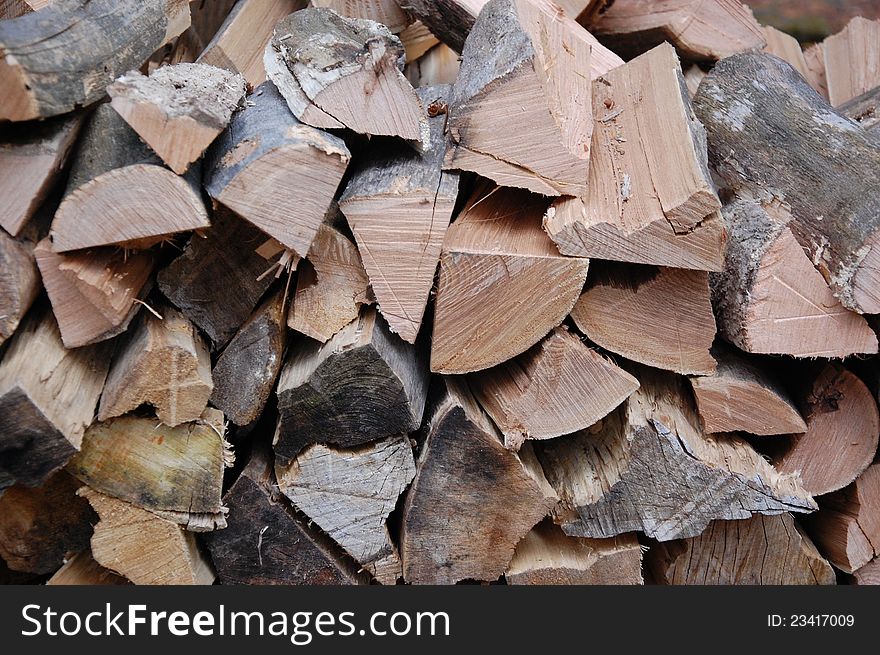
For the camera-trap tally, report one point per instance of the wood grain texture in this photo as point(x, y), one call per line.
point(206, 18)
point(440, 65)
point(864, 109)
point(869, 574)
point(450, 20)
point(387, 12)
point(417, 40)
point(786, 47)
point(82, 569)
point(814, 56)
point(19, 283)
point(852, 60)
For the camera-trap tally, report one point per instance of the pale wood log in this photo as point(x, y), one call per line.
point(387, 12)
point(693, 75)
point(399, 203)
point(786, 47)
point(94, 293)
point(608, 482)
point(267, 162)
point(764, 550)
point(363, 384)
point(417, 40)
point(558, 387)
point(814, 56)
point(865, 110)
point(440, 65)
point(19, 283)
point(869, 574)
point(503, 284)
point(462, 521)
point(82, 569)
point(671, 307)
point(852, 60)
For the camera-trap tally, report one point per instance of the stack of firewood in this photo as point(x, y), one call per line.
point(431, 292)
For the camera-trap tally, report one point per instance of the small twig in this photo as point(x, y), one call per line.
point(150, 309)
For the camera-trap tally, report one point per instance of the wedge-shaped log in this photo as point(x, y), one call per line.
point(826, 170)
point(786, 47)
point(19, 283)
point(649, 198)
point(463, 521)
point(82, 569)
point(387, 12)
point(267, 163)
point(764, 550)
point(851, 58)
point(349, 494)
point(865, 110)
point(363, 384)
point(399, 204)
point(503, 284)
point(608, 482)
point(557, 387)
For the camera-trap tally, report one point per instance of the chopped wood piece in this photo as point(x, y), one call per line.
point(417, 40)
point(245, 372)
point(47, 399)
point(19, 283)
point(462, 521)
point(399, 204)
point(178, 110)
point(239, 43)
point(826, 170)
point(440, 65)
point(41, 527)
point(814, 56)
point(31, 158)
point(350, 493)
point(851, 60)
point(82, 569)
point(671, 307)
point(363, 384)
point(176, 473)
point(742, 396)
point(558, 387)
point(143, 547)
point(387, 12)
point(842, 432)
point(702, 31)
point(649, 198)
point(206, 18)
point(340, 72)
point(450, 20)
point(14, 8)
point(764, 550)
point(607, 476)
point(116, 176)
point(865, 110)
point(770, 298)
point(165, 364)
point(869, 574)
point(693, 75)
point(267, 543)
point(547, 556)
point(94, 293)
point(217, 281)
point(62, 58)
point(786, 47)
point(266, 163)
point(503, 285)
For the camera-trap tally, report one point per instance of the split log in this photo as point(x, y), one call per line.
point(672, 308)
point(94, 293)
point(82, 569)
point(744, 397)
point(461, 521)
point(116, 176)
point(503, 284)
point(837, 223)
point(440, 65)
point(41, 527)
point(607, 476)
point(267, 162)
point(175, 473)
point(771, 299)
point(164, 363)
point(399, 203)
point(786, 47)
point(338, 72)
point(700, 31)
point(349, 495)
point(31, 158)
point(218, 280)
point(178, 110)
point(19, 283)
point(868, 574)
point(693, 75)
point(206, 18)
point(363, 384)
point(649, 198)
point(265, 541)
point(814, 56)
point(865, 110)
point(246, 370)
point(547, 556)
point(15, 8)
point(48, 396)
point(450, 20)
point(851, 58)
point(764, 550)
point(239, 43)
point(417, 40)
point(842, 432)
point(143, 547)
point(63, 57)
point(558, 387)
point(387, 12)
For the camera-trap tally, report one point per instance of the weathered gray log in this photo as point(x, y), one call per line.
point(865, 110)
point(19, 283)
point(449, 20)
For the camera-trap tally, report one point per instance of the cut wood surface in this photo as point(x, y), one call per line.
point(693, 75)
point(786, 47)
point(450, 20)
point(503, 284)
point(607, 480)
point(267, 163)
point(19, 283)
point(764, 550)
point(869, 574)
point(463, 521)
point(557, 387)
point(852, 60)
point(206, 18)
point(865, 110)
point(440, 65)
point(387, 12)
point(671, 307)
point(94, 293)
point(15, 8)
point(178, 110)
point(63, 57)
point(82, 569)
point(363, 384)
point(814, 56)
point(399, 203)
point(417, 40)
